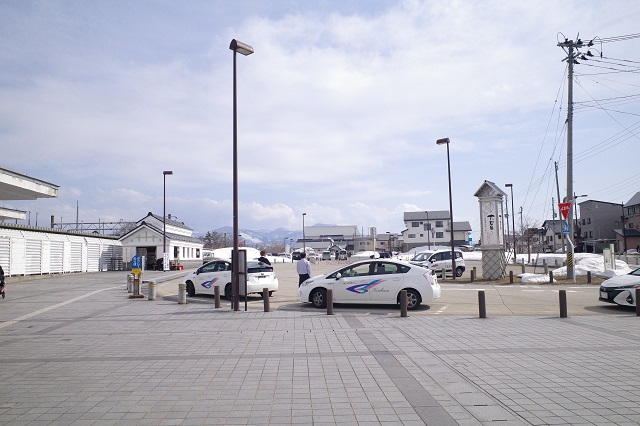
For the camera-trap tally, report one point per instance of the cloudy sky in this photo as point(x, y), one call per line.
point(339, 108)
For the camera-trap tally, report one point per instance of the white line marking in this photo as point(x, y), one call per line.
point(441, 310)
point(32, 314)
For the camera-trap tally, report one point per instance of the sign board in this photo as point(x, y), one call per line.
point(136, 264)
point(565, 227)
point(564, 209)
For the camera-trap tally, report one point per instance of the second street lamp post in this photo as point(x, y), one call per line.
point(445, 141)
point(164, 218)
point(513, 221)
point(304, 244)
point(245, 50)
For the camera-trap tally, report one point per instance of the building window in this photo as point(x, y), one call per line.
point(412, 235)
point(197, 253)
point(439, 224)
point(631, 225)
point(415, 224)
point(584, 222)
point(421, 235)
point(590, 234)
point(589, 220)
point(427, 227)
point(439, 234)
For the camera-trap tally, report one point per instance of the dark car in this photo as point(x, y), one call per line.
point(296, 255)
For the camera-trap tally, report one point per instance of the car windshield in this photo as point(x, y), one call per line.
point(636, 272)
point(422, 256)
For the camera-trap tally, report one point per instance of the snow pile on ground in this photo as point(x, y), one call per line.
point(362, 255)
point(534, 278)
point(585, 262)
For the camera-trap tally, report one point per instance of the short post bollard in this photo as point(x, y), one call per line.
point(473, 274)
point(403, 303)
point(152, 290)
point(216, 296)
point(444, 273)
point(546, 268)
point(523, 267)
point(563, 303)
point(637, 302)
point(265, 299)
point(136, 288)
point(182, 293)
point(130, 283)
point(588, 277)
point(330, 302)
point(551, 277)
point(510, 277)
point(482, 307)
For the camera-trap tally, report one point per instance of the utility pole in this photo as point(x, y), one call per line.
point(571, 48)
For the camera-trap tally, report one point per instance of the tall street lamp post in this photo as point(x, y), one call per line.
point(164, 218)
point(445, 141)
point(304, 244)
point(245, 50)
point(513, 221)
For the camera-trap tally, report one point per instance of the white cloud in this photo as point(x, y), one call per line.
point(339, 107)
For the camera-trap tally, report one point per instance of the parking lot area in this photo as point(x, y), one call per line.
point(459, 297)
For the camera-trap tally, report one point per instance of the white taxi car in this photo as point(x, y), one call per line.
point(373, 281)
point(218, 272)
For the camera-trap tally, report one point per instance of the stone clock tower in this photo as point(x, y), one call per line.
point(492, 220)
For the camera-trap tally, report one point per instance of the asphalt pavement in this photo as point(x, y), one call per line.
point(75, 349)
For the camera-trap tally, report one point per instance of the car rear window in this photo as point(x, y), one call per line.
point(253, 267)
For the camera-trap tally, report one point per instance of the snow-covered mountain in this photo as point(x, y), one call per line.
point(262, 237)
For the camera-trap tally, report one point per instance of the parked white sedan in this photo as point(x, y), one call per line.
point(218, 273)
point(372, 281)
point(621, 290)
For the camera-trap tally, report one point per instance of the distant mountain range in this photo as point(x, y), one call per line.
point(262, 237)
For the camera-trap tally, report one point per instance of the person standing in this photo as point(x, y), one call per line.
point(263, 257)
point(2, 282)
point(304, 268)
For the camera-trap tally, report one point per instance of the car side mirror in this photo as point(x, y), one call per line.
point(338, 276)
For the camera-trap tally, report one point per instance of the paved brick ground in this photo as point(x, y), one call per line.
point(75, 350)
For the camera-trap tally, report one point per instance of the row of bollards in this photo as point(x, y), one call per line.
point(133, 287)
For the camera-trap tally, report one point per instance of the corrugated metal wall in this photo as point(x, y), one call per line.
point(35, 253)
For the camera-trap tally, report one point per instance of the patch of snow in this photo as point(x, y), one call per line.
point(534, 278)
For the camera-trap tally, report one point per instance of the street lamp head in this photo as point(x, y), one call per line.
point(167, 172)
point(240, 47)
point(508, 185)
point(442, 141)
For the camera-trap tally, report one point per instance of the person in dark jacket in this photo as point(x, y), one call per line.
point(263, 257)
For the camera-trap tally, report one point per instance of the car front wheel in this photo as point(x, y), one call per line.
point(459, 271)
point(319, 298)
